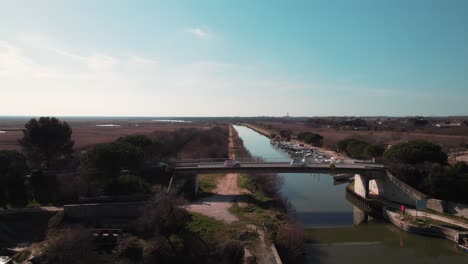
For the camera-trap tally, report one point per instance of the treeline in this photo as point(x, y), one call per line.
point(424, 166)
point(190, 143)
point(358, 149)
point(421, 164)
point(311, 138)
point(128, 165)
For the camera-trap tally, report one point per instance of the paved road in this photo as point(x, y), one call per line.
point(276, 167)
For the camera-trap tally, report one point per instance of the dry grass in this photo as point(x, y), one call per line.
point(447, 138)
point(87, 134)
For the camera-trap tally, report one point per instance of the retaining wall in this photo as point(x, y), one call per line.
point(392, 189)
point(442, 206)
point(103, 210)
point(431, 230)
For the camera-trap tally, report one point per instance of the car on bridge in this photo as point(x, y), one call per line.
point(298, 163)
point(231, 163)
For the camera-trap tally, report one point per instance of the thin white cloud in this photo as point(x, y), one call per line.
point(96, 62)
point(73, 83)
point(198, 32)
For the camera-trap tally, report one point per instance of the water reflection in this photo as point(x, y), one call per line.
point(340, 231)
point(359, 216)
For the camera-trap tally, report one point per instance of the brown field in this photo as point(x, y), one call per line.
point(86, 133)
point(447, 138)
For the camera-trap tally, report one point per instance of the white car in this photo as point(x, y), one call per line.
point(231, 163)
point(298, 163)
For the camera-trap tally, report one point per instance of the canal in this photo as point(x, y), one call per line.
point(338, 229)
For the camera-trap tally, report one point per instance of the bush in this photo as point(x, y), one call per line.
point(128, 184)
point(68, 246)
point(13, 170)
point(311, 138)
point(130, 248)
point(267, 183)
point(162, 215)
point(359, 149)
point(230, 252)
point(44, 186)
point(136, 140)
point(416, 151)
point(285, 134)
point(109, 159)
point(290, 242)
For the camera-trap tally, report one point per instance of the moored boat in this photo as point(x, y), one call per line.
point(340, 177)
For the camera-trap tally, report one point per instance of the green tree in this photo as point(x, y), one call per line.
point(44, 186)
point(373, 151)
point(137, 140)
point(108, 160)
point(311, 138)
point(416, 151)
point(13, 169)
point(359, 149)
point(128, 184)
point(46, 140)
point(285, 134)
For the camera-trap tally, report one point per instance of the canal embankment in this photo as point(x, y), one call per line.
point(425, 226)
point(338, 230)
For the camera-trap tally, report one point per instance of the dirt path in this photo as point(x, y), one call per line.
point(217, 206)
point(227, 188)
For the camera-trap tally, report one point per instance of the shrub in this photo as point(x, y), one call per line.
point(109, 159)
point(230, 252)
point(68, 246)
point(13, 170)
point(359, 149)
point(290, 243)
point(311, 138)
point(128, 184)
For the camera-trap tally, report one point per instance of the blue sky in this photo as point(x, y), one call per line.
point(230, 58)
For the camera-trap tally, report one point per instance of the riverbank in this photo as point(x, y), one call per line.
point(320, 204)
point(228, 194)
point(425, 226)
point(328, 152)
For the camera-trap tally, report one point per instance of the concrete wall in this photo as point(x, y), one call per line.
point(392, 189)
point(441, 206)
point(431, 230)
point(457, 209)
point(436, 205)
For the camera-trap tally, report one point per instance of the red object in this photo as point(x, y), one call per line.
point(402, 207)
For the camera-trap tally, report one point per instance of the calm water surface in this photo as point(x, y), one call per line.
point(337, 227)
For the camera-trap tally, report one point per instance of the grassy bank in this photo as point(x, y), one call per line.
point(207, 182)
point(214, 232)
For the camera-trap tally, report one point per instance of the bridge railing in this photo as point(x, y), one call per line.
point(254, 160)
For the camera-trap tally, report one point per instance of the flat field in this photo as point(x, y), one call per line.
point(90, 131)
point(446, 137)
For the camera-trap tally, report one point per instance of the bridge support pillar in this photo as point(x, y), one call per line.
point(361, 185)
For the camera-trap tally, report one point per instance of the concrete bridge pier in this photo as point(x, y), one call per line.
point(361, 184)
